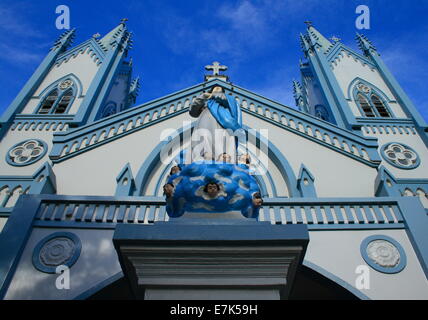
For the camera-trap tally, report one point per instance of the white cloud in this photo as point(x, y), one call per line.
point(14, 23)
point(240, 30)
point(277, 86)
point(18, 55)
point(13, 26)
point(246, 18)
point(409, 67)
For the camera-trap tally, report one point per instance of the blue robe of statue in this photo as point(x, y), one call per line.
point(214, 133)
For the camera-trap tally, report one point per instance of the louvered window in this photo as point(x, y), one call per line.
point(49, 102)
point(380, 107)
point(365, 105)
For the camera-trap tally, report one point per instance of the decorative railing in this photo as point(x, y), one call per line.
point(341, 140)
point(413, 187)
point(67, 144)
point(10, 190)
point(41, 123)
point(106, 212)
point(325, 212)
point(72, 143)
point(387, 126)
point(100, 210)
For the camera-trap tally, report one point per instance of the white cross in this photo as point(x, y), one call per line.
point(216, 67)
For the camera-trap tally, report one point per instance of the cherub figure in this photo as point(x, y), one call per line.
point(175, 169)
point(168, 190)
point(224, 157)
point(257, 200)
point(212, 189)
point(244, 159)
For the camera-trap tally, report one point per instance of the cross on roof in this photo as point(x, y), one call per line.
point(216, 68)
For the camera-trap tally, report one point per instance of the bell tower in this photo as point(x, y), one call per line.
point(74, 86)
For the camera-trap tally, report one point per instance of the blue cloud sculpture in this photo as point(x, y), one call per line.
point(236, 189)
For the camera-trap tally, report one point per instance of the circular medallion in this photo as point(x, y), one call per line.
point(65, 84)
point(383, 254)
point(363, 88)
point(26, 152)
point(60, 248)
point(400, 155)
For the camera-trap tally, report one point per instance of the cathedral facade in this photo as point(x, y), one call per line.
point(343, 182)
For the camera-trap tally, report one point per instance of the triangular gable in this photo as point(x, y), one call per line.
point(337, 49)
point(90, 46)
point(71, 143)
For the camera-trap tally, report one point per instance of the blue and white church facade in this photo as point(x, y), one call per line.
point(344, 182)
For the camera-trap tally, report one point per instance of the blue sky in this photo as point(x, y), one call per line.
point(257, 40)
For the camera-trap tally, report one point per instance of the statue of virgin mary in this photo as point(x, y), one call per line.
point(214, 135)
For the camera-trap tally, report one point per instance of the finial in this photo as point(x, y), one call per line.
point(308, 23)
point(97, 35)
point(123, 21)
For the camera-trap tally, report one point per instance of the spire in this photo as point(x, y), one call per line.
point(297, 89)
point(115, 36)
point(365, 44)
point(305, 183)
point(304, 42)
point(125, 182)
point(317, 38)
point(299, 96)
point(134, 90)
point(65, 40)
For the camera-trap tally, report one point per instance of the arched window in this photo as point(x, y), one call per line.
point(58, 100)
point(370, 102)
point(380, 107)
point(109, 109)
point(64, 102)
point(49, 102)
point(365, 106)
